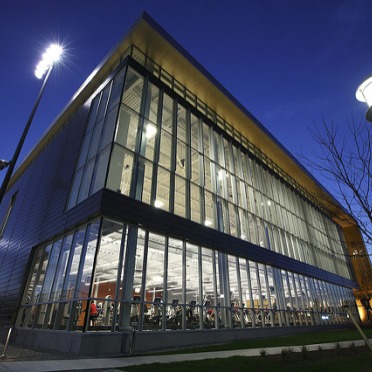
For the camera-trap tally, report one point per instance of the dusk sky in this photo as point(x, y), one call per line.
point(289, 62)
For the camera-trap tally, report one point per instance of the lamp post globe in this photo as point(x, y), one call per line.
point(364, 94)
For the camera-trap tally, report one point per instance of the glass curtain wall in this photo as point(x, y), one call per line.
point(59, 283)
point(161, 150)
point(146, 142)
point(167, 154)
point(135, 277)
point(91, 168)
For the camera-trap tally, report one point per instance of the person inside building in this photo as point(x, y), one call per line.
point(93, 313)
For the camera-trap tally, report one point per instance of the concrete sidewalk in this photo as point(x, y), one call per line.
point(109, 364)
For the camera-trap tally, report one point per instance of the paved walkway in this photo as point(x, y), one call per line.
point(109, 364)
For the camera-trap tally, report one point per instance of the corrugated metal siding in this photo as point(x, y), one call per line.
point(38, 212)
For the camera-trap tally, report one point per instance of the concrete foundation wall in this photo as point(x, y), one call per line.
point(99, 344)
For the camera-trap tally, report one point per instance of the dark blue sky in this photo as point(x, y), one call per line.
point(289, 62)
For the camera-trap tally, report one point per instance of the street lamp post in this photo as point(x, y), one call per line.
point(43, 69)
point(364, 94)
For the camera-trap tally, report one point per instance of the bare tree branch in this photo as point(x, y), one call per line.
point(345, 160)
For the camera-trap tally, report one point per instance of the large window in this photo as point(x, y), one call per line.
point(91, 168)
point(156, 282)
point(60, 281)
point(155, 147)
point(184, 166)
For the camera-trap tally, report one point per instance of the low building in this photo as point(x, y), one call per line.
point(156, 202)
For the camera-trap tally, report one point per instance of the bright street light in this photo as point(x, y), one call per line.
point(364, 94)
point(52, 55)
point(44, 68)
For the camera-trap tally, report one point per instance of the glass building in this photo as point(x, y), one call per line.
point(160, 204)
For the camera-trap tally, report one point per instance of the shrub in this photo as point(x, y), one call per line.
point(338, 348)
point(353, 347)
point(304, 351)
point(263, 352)
point(286, 352)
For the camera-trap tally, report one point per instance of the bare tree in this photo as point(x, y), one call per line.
point(345, 161)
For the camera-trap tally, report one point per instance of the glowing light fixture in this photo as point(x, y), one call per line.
point(222, 174)
point(207, 223)
point(364, 94)
point(158, 203)
point(53, 54)
point(150, 131)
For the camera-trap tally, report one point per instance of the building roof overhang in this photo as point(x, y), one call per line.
point(149, 37)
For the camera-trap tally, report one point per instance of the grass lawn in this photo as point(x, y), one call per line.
point(350, 359)
point(317, 361)
point(293, 340)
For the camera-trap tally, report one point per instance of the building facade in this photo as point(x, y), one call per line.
point(156, 202)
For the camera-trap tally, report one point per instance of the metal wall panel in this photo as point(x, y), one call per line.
point(38, 212)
